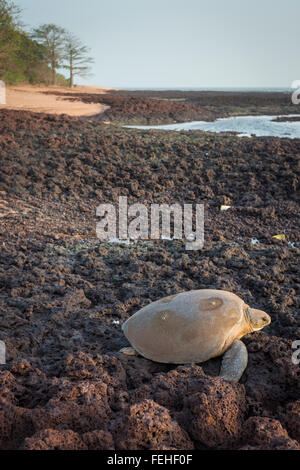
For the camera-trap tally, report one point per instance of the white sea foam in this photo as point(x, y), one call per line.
point(245, 126)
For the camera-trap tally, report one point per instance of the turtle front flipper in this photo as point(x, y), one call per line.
point(129, 351)
point(234, 362)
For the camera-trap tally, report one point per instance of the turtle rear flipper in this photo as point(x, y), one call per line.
point(234, 362)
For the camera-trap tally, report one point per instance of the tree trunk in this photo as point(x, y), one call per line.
point(53, 74)
point(71, 72)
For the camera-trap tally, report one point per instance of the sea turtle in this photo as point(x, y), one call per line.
point(193, 327)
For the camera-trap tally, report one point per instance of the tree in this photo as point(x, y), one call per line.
point(21, 57)
point(76, 55)
point(52, 38)
point(9, 14)
point(31, 58)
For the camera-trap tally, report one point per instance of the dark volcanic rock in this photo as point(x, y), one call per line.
point(267, 434)
point(217, 413)
point(50, 439)
point(292, 420)
point(147, 425)
point(64, 295)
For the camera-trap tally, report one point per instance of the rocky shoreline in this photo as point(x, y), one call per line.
point(167, 107)
point(64, 295)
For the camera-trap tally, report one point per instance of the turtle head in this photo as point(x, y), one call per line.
point(258, 319)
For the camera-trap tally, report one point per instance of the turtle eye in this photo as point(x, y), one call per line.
point(266, 319)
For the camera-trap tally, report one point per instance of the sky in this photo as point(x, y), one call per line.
point(180, 43)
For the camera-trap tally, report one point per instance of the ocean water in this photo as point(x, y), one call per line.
point(232, 89)
point(244, 126)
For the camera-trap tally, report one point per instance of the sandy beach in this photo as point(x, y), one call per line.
point(34, 98)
